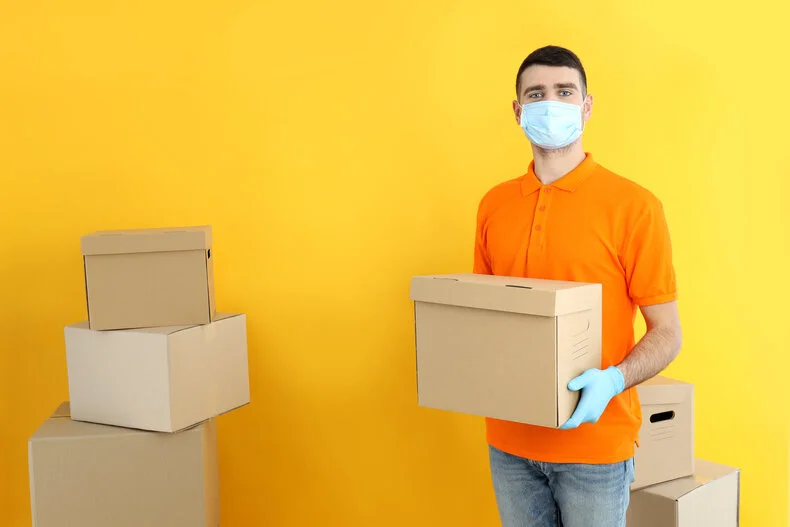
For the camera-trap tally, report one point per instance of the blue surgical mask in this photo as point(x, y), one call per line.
point(551, 124)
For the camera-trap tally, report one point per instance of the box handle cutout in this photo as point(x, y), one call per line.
point(662, 416)
point(208, 254)
point(518, 286)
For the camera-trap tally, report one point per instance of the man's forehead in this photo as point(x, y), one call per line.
point(540, 74)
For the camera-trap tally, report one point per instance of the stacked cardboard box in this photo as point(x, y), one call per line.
point(507, 347)
point(672, 488)
point(149, 372)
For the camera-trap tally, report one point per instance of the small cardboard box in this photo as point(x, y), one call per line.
point(504, 347)
point(149, 278)
point(160, 379)
point(666, 439)
point(96, 476)
point(710, 498)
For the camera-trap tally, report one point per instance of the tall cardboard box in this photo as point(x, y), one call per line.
point(504, 347)
point(666, 438)
point(89, 475)
point(710, 498)
point(149, 277)
point(160, 379)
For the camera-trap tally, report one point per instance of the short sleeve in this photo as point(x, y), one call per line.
point(647, 258)
point(482, 263)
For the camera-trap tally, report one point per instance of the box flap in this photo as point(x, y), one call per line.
point(511, 294)
point(147, 240)
point(662, 390)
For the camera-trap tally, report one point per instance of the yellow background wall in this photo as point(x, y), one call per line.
point(340, 147)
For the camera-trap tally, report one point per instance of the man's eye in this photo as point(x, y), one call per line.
point(535, 95)
point(565, 93)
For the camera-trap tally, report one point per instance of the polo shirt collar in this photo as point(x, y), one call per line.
point(569, 182)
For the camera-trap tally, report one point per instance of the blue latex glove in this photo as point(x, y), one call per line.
point(598, 388)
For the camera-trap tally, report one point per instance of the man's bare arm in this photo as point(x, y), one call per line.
point(659, 346)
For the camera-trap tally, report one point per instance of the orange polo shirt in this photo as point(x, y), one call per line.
point(591, 225)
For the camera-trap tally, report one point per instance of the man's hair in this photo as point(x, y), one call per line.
point(552, 56)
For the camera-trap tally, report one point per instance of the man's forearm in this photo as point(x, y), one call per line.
point(659, 347)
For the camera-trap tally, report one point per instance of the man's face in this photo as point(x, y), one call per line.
point(552, 83)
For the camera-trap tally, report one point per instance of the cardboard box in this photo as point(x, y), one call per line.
point(149, 277)
point(710, 498)
point(161, 379)
point(504, 347)
point(89, 475)
point(666, 439)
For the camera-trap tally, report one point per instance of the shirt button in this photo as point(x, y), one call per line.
point(537, 227)
point(542, 208)
point(546, 190)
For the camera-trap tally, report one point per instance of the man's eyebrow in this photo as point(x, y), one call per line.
point(534, 87)
point(565, 85)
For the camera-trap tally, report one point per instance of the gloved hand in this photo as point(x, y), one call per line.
point(598, 388)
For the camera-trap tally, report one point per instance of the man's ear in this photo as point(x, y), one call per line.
point(587, 108)
point(517, 112)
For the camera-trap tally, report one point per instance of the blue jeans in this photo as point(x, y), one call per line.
point(536, 494)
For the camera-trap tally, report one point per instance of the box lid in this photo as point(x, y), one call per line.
point(147, 240)
point(661, 390)
point(529, 296)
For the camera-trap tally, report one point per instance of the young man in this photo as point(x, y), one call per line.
point(569, 218)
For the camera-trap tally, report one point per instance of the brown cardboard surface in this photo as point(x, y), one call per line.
point(161, 379)
point(527, 296)
point(149, 278)
point(709, 498)
point(147, 240)
point(504, 347)
point(666, 438)
point(90, 475)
